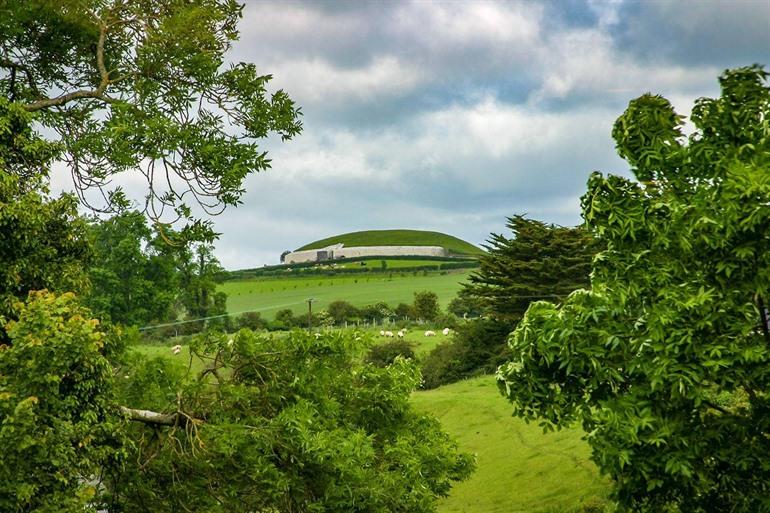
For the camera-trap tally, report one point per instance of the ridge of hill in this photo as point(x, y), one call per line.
point(398, 238)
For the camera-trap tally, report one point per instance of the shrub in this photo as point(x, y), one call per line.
point(251, 320)
point(385, 354)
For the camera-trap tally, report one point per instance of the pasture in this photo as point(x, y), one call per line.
point(520, 469)
point(269, 295)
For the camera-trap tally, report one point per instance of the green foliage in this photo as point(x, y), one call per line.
point(130, 86)
point(57, 429)
point(475, 348)
point(44, 244)
point(250, 320)
point(539, 261)
point(342, 311)
point(134, 278)
point(338, 436)
point(666, 359)
point(385, 354)
point(398, 238)
point(425, 305)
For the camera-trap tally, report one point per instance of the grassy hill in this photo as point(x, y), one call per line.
point(520, 469)
point(268, 295)
point(398, 238)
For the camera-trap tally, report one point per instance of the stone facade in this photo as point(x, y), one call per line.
point(340, 251)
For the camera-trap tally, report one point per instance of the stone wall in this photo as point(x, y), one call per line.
point(338, 251)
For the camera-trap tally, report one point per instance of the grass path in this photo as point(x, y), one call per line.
point(520, 469)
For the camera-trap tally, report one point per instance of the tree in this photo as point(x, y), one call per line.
point(342, 311)
point(665, 360)
point(298, 424)
point(139, 87)
point(134, 278)
point(539, 261)
point(199, 274)
point(425, 305)
point(57, 427)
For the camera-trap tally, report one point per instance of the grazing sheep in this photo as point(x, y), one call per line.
point(176, 349)
point(388, 333)
point(400, 334)
point(430, 333)
point(445, 331)
point(382, 333)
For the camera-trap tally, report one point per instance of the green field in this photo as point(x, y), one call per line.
point(268, 295)
point(520, 469)
point(398, 238)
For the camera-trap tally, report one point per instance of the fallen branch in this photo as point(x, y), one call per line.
point(159, 419)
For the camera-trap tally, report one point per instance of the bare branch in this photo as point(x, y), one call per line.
point(159, 419)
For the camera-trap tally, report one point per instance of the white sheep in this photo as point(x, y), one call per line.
point(176, 349)
point(445, 331)
point(400, 334)
point(389, 334)
point(382, 333)
point(430, 333)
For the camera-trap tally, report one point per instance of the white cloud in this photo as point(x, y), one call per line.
point(317, 82)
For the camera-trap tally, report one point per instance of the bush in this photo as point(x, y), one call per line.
point(385, 354)
point(477, 347)
point(251, 320)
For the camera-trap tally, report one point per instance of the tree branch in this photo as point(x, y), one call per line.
point(159, 419)
point(97, 93)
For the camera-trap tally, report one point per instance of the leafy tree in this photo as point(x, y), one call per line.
point(139, 86)
point(199, 274)
point(270, 438)
point(665, 360)
point(57, 424)
point(425, 305)
point(342, 311)
point(44, 244)
point(404, 311)
point(539, 261)
point(294, 424)
point(465, 305)
point(134, 278)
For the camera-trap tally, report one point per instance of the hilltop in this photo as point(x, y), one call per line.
point(398, 238)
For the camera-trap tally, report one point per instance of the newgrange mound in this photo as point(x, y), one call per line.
point(384, 243)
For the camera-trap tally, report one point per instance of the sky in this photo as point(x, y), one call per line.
point(452, 116)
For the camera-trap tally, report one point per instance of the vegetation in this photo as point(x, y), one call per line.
point(538, 261)
point(398, 238)
point(267, 438)
point(520, 469)
point(665, 361)
point(268, 295)
point(296, 423)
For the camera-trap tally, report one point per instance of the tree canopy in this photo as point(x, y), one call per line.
point(137, 87)
point(665, 360)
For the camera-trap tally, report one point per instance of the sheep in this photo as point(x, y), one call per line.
point(400, 334)
point(445, 331)
point(176, 349)
point(388, 333)
point(430, 333)
point(382, 333)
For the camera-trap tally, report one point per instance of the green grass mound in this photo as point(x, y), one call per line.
point(520, 469)
point(398, 238)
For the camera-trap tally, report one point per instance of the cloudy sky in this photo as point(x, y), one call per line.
point(450, 116)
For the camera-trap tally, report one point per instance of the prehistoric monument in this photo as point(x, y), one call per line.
point(336, 251)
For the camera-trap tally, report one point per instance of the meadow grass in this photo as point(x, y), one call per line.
point(520, 469)
point(398, 238)
point(268, 295)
